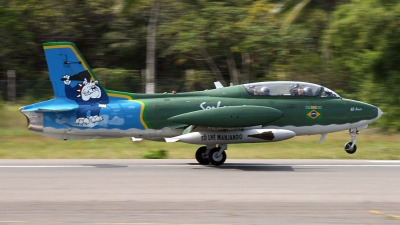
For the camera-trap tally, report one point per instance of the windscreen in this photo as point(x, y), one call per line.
point(328, 93)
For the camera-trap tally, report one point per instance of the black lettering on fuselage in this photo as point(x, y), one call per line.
point(221, 137)
point(229, 137)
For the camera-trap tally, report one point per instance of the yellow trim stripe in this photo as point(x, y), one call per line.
point(120, 96)
point(141, 114)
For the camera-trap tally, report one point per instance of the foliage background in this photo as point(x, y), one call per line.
point(350, 46)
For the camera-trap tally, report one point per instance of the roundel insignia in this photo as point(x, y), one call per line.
point(313, 114)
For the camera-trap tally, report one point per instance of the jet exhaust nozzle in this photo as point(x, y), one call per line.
point(34, 120)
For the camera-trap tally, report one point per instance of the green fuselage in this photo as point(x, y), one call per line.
point(298, 111)
point(167, 115)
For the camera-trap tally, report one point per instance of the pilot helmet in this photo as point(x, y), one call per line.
point(264, 90)
point(308, 91)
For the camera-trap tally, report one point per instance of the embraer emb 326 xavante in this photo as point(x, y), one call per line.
point(248, 113)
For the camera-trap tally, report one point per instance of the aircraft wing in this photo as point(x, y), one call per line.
point(231, 116)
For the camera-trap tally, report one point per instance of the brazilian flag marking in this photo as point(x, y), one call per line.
point(314, 112)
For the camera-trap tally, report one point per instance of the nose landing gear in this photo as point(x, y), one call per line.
point(351, 147)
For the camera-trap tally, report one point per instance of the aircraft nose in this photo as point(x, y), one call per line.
point(374, 113)
point(379, 113)
point(360, 111)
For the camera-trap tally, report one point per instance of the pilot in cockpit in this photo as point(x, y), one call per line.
point(296, 90)
point(254, 90)
point(264, 91)
point(307, 91)
point(251, 89)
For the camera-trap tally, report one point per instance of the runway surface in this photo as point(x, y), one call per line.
point(168, 192)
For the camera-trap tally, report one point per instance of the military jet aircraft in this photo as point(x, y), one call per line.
point(248, 113)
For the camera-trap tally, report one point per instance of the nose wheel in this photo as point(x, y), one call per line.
point(351, 147)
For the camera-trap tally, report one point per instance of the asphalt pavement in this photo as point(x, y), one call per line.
point(163, 192)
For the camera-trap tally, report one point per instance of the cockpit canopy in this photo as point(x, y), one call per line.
point(288, 88)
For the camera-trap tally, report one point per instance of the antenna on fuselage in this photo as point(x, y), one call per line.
point(218, 85)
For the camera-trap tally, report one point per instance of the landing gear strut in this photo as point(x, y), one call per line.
point(351, 147)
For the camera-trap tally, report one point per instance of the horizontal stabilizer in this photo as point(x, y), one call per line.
point(136, 139)
point(232, 116)
point(54, 105)
point(171, 139)
point(56, 109)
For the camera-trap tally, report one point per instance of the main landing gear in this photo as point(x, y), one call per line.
point(351, 147)
point(211, 154)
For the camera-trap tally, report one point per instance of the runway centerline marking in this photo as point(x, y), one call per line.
point(45, 166)
point(276, 165)
point(105, 223)
point(385, 161)
point(384, 214)
point(226, 165)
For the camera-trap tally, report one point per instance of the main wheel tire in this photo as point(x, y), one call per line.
point(201, 156)
point(216, 159)
point(348, 149)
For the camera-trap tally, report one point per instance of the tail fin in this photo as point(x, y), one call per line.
point(67, 67)
point(65, 60)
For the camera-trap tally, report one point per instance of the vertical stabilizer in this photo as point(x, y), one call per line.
point(67, 67)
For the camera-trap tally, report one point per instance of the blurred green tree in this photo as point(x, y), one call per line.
point(364, 39)
point(228, 36)
point(349, 46)
point(25, 24)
